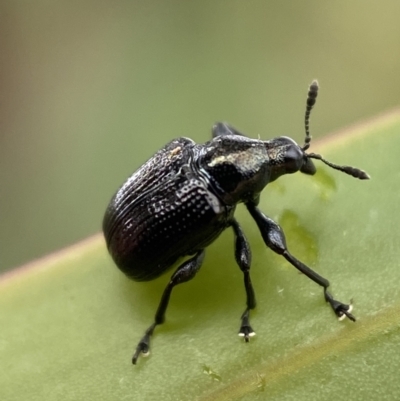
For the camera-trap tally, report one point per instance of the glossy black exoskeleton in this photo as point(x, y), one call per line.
point(183, 197)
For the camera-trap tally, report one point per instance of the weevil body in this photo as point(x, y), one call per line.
point(185, 196)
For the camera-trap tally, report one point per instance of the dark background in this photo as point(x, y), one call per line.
point(90, 89)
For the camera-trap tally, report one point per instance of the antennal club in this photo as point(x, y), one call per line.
point(355, 172)
point(311, 99)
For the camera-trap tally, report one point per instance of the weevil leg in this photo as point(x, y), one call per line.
point(185, 272)
point(274, 238)
point(243, 259)
point(220, 129)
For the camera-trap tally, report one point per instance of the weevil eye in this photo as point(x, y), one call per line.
point(308, 167)
point(293, 159)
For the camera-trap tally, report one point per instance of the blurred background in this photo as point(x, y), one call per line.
point(90, 89)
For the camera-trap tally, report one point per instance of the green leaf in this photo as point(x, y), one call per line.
point(70, 322)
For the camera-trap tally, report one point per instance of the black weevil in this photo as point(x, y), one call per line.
point(183, 197)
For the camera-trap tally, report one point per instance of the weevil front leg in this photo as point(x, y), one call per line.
point(243, 259)
point(274, 238)
point(185, 272)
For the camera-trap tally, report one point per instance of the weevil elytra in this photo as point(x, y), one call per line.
point(184, 197)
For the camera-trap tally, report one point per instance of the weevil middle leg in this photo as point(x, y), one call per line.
point(243, 259)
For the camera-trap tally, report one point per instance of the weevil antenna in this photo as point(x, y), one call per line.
point(355, 172)
point(311, 99)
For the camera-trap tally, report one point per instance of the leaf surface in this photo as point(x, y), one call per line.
point(70, 322)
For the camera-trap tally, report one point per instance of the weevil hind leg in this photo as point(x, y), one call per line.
point(274, 238)
point(243, 259)
point(185, 272)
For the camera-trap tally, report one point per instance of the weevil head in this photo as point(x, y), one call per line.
point(287, 157)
